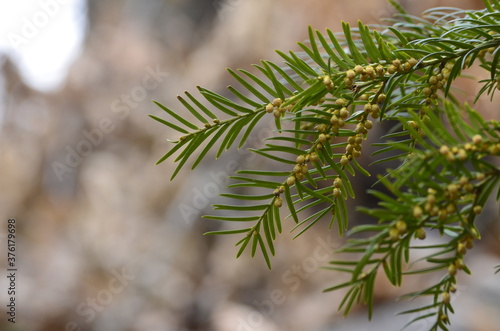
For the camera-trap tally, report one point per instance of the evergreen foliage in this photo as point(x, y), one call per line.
point(325, 100)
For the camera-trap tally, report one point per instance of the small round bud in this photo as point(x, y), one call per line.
point(394, 234)
point(350, 74)
point(290, 180)
point(360, 128)
point(381, 98)
point(341, 102)
point(344, 113)
point(443, 214)
point(452, 270)
point(344, 160)
point(369, 70)
point(321, 127)
point(459, 263)
point(417, 212)
point(336, 192)
point(304, 169)
point(278, 202)
point(462, 154)
point(411, 124)
point(334, 120)
point(269, 108)
point(477, 209)
point(368, 107)
point(277, 113)
point(477, 139)
point(337, 183)
point(356, 153)
point(420, 233)
point(445, 296)
point(380, 70)
point(412, 62)
point(446, 73)
point(391, 69)
point(463, 181)
point(401, 226)
point(322, 138)
point(452, 189)
point(277, 102)
point(444, 150)
point(368, 124)
point(434, 211)
point(461, 249)
point(300, 159)
point(359, 69)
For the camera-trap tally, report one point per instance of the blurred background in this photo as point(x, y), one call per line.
point(104, 240)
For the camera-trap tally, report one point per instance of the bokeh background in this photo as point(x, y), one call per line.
point(105, 240)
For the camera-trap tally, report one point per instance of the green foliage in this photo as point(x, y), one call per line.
point(323, 101)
